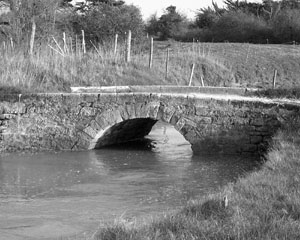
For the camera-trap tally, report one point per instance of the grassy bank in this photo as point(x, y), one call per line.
point(263, 205)
point(218, 64)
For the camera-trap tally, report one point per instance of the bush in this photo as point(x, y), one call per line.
point(286, 26)
point(103, 21)
point(241, 27)
point(23, 13)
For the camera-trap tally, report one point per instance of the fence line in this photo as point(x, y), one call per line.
point(67, 46)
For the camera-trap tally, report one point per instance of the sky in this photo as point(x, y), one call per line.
point(187, 7)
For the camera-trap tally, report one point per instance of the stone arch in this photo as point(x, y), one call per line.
point(133, 121)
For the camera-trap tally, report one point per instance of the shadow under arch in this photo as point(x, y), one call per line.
point(125, 131)
point(130, 122)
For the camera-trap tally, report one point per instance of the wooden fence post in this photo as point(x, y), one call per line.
point(167, 63)
point(65, 42)
point(116, 44)
point(151, 53)
point(274, 78)
point(202, 81)
point(33, 28)
point(83, 42)
point(128, 46)
point(191, 75)
point(12, 42)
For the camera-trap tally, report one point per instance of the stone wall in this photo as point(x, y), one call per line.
point(76, 121)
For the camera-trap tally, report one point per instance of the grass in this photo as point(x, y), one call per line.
point(290, 93)
point(263, 205)
point(219, 64)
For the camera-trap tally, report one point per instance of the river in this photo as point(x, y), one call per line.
point(70, 194)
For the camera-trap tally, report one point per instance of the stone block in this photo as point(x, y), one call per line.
point(180, 123)
point(191, 135)
point(90, 131)
point(143, 110)
point(257, 121)
point(89, 98)
point(4, 129)
point(102, 120)
point(256, 139)
point(174, 119)
point(160, 112)
point(95, 126)
point(249, 148)
point(153, 109)
point(130, 108)
point(123, 112)
point(263, 129)
point(139, 111)
point(116, 115)
point(8, 116)
point(168, 112)
point(202, 111)
point(14, 108)
point(122, 99)
point(88, 111)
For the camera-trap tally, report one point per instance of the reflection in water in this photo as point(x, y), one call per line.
point(145, 176)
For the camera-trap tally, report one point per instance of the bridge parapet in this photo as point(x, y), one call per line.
point(72, 121)
point(164, 89)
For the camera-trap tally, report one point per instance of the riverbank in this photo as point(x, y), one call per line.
point(263, 205)
point(217, 64)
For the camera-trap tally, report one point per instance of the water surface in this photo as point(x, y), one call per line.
point(52, 195)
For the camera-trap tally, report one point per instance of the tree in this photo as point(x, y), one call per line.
point(290, 4)
point(24, 12)
point(286, 25)
point(240, 27)
point(169, 23)
point(270, 9)
point(65, 3)
point(206, 18)
point(102, 21)
point(152, 25)
point(90, 4)
point(244, 6)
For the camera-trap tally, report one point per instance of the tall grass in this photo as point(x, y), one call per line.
point(50, 69)
point(263, 205)
point(55, 68)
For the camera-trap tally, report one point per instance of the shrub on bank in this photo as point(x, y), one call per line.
point(103, 21)
point(290, 93)
point(241, 27)
point(286, 26)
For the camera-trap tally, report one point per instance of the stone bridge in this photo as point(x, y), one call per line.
point(213, 120)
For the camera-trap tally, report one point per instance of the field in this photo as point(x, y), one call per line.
point(218, 64)
point(262, 205)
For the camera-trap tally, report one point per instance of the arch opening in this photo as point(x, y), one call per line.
point(125, 131)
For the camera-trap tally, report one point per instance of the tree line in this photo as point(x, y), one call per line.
point(238, 21)
point(99, 19)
